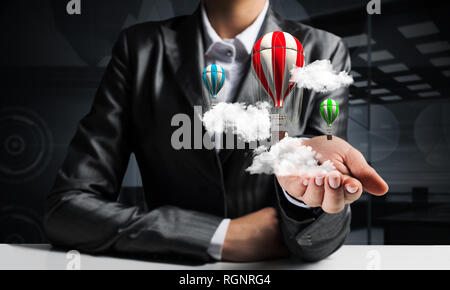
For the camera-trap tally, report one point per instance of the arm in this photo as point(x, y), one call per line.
point(314, 234)
point(218, 239)
point(311, 234)
point(82, 209)
point(330, 194)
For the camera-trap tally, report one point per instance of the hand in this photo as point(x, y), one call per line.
point(254, 237)
point(336, 189)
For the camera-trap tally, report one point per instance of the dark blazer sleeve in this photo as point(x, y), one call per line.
point(311, 234)
point(82, 211)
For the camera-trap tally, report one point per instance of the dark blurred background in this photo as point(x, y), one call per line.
point(51, 64)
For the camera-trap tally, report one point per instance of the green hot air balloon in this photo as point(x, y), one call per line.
point(329, 109)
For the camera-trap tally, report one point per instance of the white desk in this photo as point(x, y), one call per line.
point(348, 257)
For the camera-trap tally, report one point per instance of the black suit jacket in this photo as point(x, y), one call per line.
point(155, 73)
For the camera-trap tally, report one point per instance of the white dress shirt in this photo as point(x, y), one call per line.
point(232, 55)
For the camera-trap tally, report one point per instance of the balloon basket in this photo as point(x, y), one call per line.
point(329, 134)
point(278, 127)
point(214, 101)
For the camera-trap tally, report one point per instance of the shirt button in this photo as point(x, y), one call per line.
point(229, 53)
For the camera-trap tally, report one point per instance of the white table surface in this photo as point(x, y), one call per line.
point(348, 257)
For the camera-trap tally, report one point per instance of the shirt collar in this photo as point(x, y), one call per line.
point(246, 37)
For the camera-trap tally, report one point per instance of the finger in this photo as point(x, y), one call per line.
point(313, 196)
point(293, 185)
point(333, 199)
point(352, 189)
point(371, 181)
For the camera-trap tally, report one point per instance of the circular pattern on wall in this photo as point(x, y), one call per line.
point(20, 225)
point(25, 145)
point(432, 134)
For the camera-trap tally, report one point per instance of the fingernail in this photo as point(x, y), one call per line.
point(305, 182)
point(334, 182)
point(319, 180)
point(351, 189)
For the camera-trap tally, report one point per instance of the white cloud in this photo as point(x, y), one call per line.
point(320, 76)
point(288, 158)
point(249, 122)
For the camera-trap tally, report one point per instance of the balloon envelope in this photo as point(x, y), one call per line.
point(273, 57)
point(214, 78)
point(329, 109)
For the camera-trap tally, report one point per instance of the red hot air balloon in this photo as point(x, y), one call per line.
point(273, 57)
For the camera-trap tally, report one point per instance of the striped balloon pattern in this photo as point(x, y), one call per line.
point(214, 78)
point(329, 109)
point(273, 56)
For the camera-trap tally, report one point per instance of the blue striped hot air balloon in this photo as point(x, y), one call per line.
point(213, 78)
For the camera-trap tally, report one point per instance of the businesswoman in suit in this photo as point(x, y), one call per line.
point(201, 203)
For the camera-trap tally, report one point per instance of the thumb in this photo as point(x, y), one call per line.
point(371, 181)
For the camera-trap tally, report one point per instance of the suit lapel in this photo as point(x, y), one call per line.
point(185, 55)
point(184, 52)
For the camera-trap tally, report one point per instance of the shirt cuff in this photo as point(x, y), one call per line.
point(216, 244)
point(290, 198)
point(295, 201)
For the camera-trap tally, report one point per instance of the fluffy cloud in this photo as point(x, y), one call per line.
point(320, 76)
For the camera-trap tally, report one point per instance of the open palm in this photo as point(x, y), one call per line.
point(333, 190)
